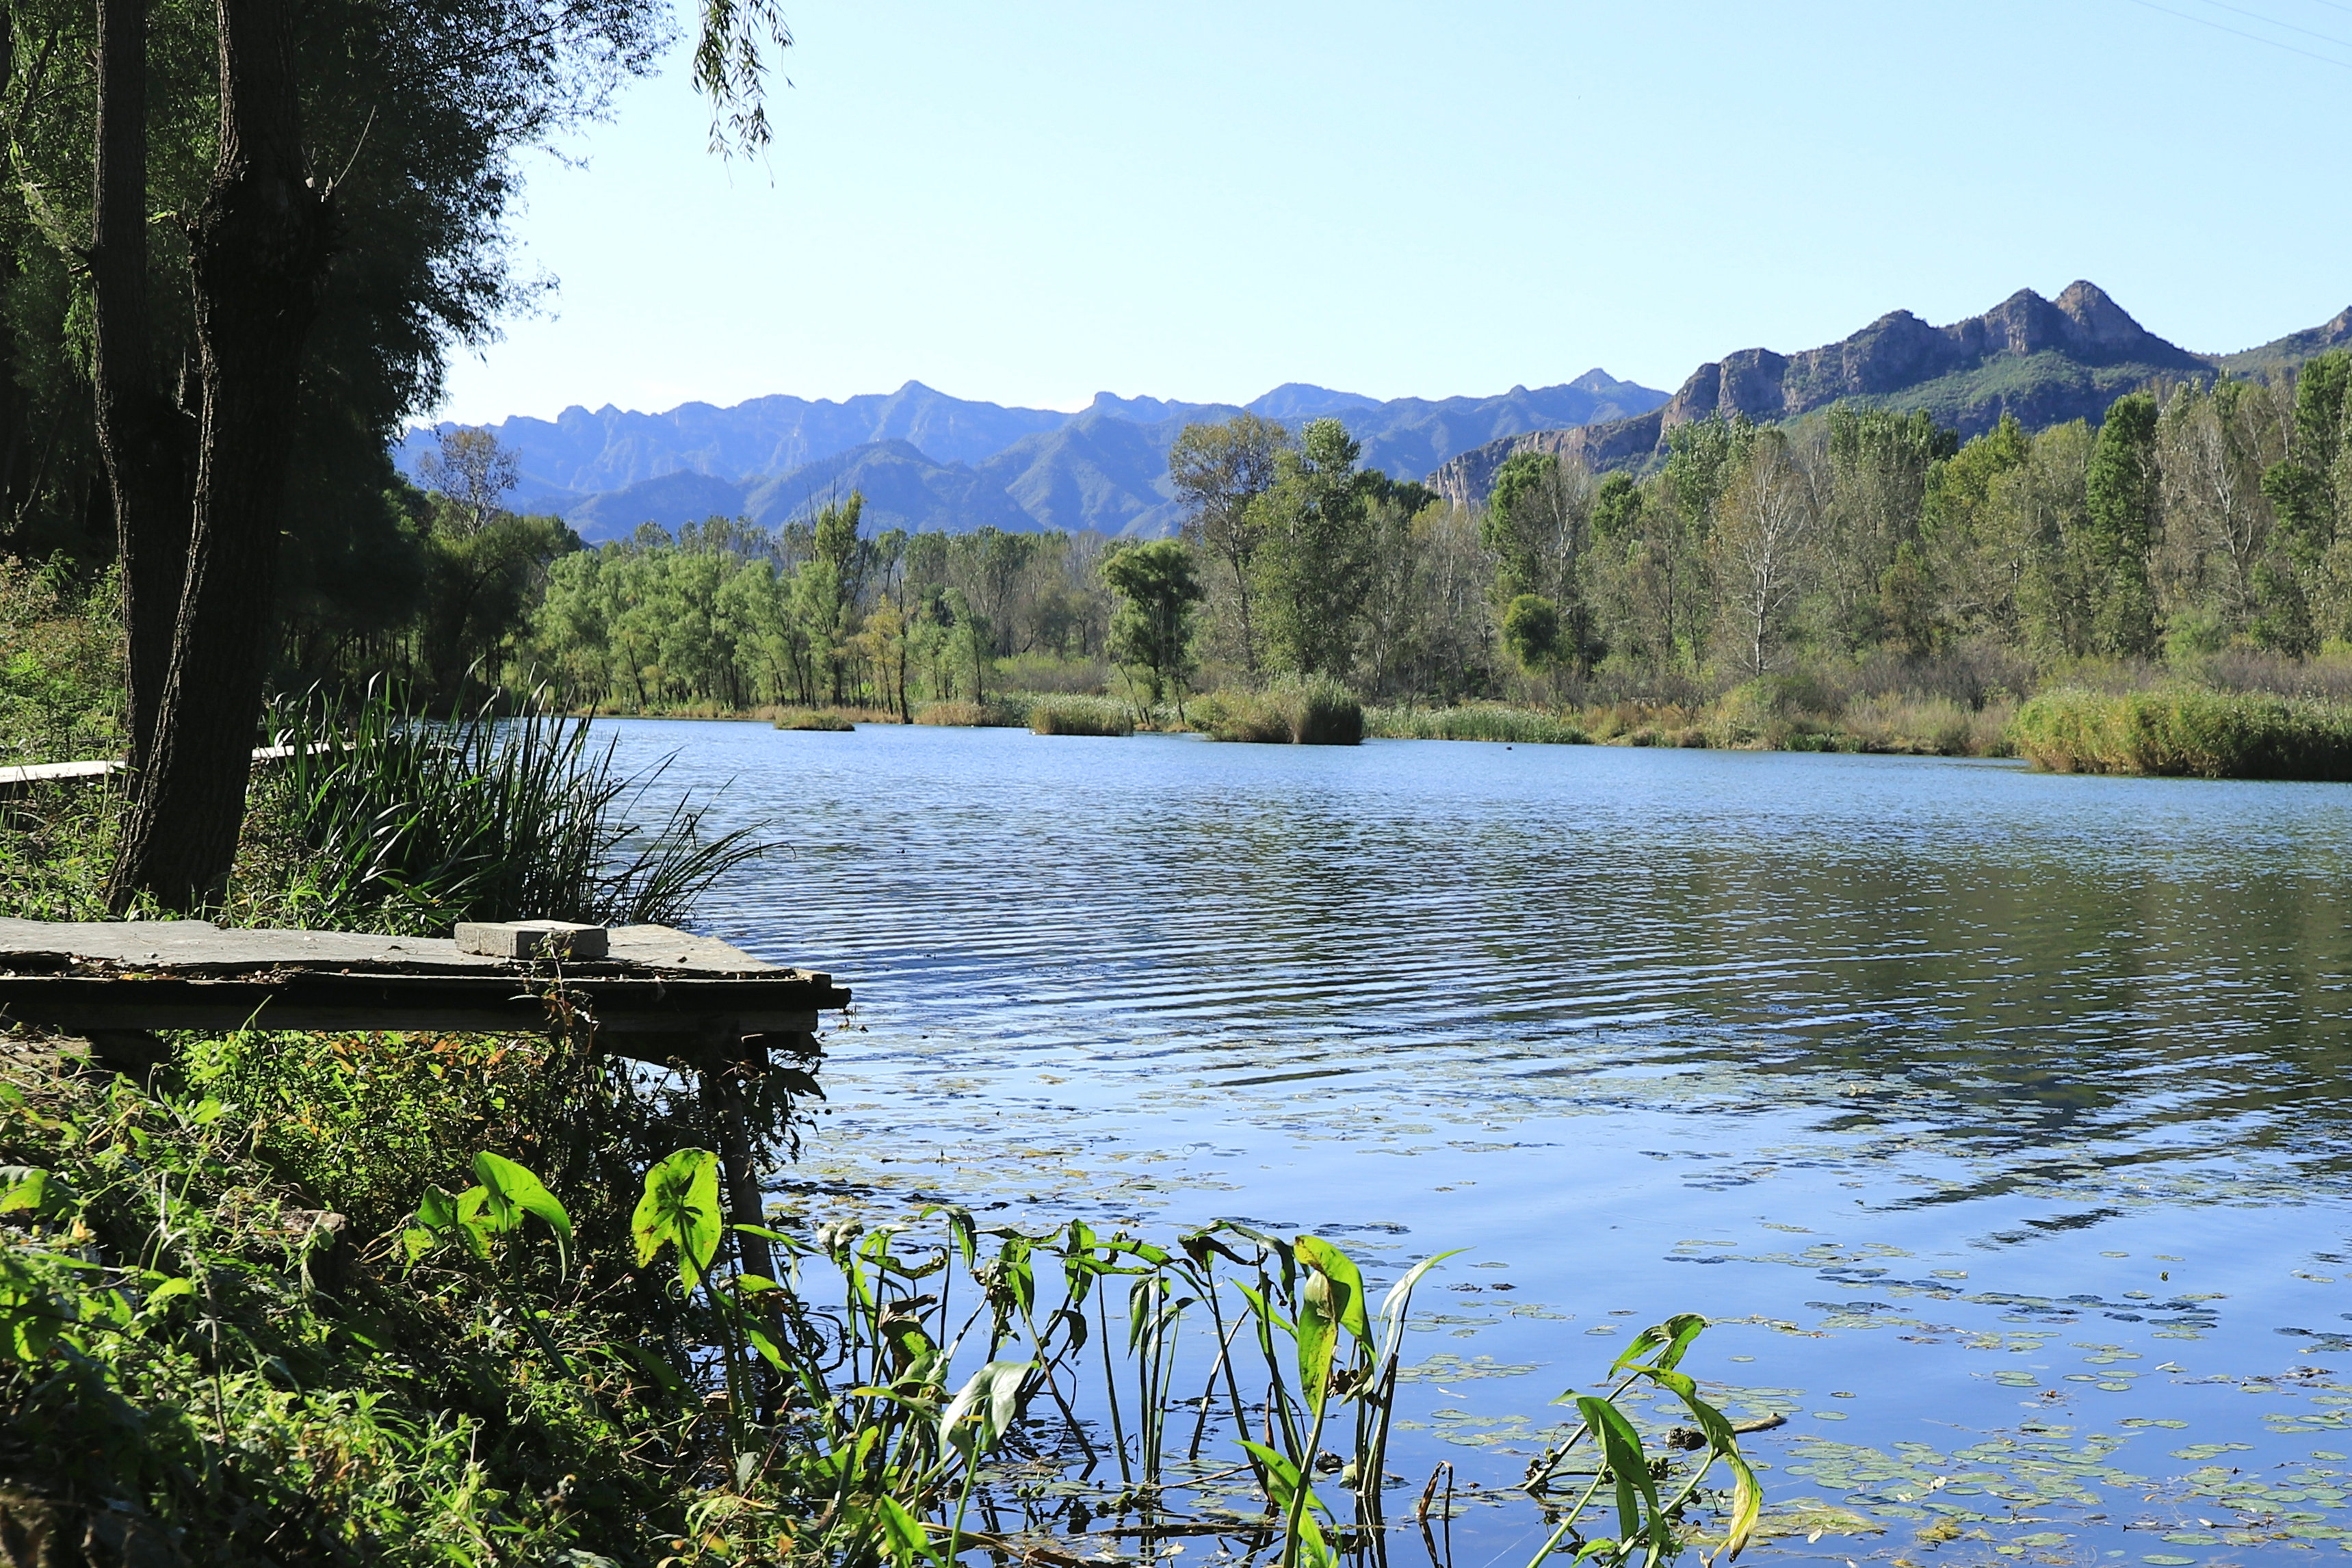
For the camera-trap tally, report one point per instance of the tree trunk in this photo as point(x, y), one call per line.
point(259, 246)
point(138, 429)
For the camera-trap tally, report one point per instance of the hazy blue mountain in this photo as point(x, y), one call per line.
point(582, 452)
point(924, 460)
point(903, 489)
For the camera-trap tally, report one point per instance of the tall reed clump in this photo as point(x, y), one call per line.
point(374, 818)
point(1476, 721)
point(813, 718)
point(2181, 731)
point(1080, 715)
point(1317, 711)
point(1010, 712)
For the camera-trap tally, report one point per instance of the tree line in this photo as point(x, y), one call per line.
point(2190, 520)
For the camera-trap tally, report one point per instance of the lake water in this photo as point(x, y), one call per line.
point(2001, 1121)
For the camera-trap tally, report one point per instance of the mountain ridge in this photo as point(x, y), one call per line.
point(2043, 360)
point(925, 459)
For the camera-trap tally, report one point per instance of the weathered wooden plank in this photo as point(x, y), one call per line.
point(659, 992)
point(199, 946)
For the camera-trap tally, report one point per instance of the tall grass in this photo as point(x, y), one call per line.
point(1317, 711)
point(1080, 716)
point(1004, 713)
point(2187, 731)
point(1479, 721)
point(813, 718)
point(381, 820)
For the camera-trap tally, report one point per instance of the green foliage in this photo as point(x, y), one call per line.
point(376, 820)
point(2190, 731)
point(1531, 630)
point(1151, 631)
point(2123, 493)
point(1313, 554)
point(60, 667)
point(200, 1357)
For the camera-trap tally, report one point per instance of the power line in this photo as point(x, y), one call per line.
point(2274, 22)
point(2241, 32)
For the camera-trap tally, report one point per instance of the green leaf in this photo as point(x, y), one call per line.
point(1674, 1335)
point(513, 1192)
point(904, 1536)
point(437, 1210)
point(31, 1191)
point(1621, 1450)
point(1331, 1298)
point(680, 1209)
point(985, 1408)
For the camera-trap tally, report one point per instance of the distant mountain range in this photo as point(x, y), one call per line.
point(2044, 361)
point(925, 460)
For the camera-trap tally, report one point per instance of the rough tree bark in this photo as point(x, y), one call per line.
point(259, 248)
point(139, 430)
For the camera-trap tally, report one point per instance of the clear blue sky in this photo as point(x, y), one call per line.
point(1030, 201)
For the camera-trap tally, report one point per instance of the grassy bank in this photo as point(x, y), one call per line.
point(2186, 731)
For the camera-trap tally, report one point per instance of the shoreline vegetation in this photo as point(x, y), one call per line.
point(1858, 580)
point(2291, 723)
point(427, 1299)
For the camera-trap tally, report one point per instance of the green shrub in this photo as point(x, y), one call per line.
point(813, 718)
point(1314, 713)
point(2186, 732)
point(1480, 721)
point(1080, 716)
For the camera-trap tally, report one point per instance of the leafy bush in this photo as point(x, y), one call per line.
point(376, 820)
point(2187, 731)
point(1080, 716)
point(1481, 722)
point(1314, 713)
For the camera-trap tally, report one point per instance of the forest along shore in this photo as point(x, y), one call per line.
point(1859, 579)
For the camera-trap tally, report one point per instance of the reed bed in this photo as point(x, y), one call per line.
point(1009, 712)
point(2183, 731)
point(1080, 716)
point(1476, 721)
point(821, 718)
point(1315, 713)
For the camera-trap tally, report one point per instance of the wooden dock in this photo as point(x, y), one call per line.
point(658, 995)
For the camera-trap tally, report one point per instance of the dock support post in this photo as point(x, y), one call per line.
point(728, 1081)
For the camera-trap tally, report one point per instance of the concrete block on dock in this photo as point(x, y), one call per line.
point(530, 939)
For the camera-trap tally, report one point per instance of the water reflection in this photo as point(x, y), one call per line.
point(1943, 1073)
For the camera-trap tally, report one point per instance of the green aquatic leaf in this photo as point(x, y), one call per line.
point(985, 1408)
point(512, 1192)
point(680, 1209)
